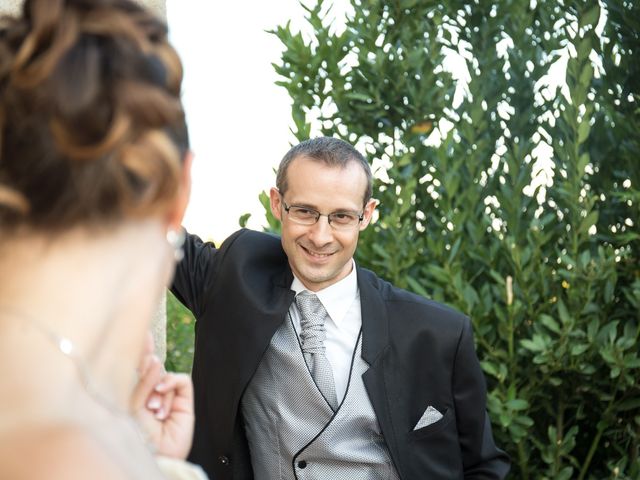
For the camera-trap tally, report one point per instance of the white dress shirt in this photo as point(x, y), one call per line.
point(342, 302)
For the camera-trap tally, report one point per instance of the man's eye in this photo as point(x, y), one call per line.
point(341, 217)
point(304, 212)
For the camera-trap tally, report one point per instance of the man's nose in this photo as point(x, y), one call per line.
point(321, 232)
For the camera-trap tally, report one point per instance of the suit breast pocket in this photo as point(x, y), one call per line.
point(442, 425)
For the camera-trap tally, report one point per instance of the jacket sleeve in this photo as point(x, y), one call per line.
point(481, 458)
point(194, 273)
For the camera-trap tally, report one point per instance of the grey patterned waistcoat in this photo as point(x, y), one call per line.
point(294, 434)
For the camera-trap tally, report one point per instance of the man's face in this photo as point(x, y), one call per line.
point(319, 254)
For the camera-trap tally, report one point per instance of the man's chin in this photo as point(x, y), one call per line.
point(314, 276)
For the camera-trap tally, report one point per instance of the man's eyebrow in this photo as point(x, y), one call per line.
point(304, 205)
point(313, 207)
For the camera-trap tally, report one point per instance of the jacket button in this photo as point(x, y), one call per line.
point(302, 464)
point(224, 460)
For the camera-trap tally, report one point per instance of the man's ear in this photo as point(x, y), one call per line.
point(276, 203)
point(176, 213)
point(369, 208)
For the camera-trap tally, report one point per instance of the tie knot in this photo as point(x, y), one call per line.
point(311, 307)
point(312, 317)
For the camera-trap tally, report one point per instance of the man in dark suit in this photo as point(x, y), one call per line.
point(307, 366)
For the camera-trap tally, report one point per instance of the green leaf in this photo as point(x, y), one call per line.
point(404, 160)
point(454, 250)
point(497, 277)
point(549, 322)
point(607, 355)
point(565, 474)
point(583, 130)
point(524, 420)
point(630, 329)
point(470, 296)
point(609, 288)
point(357, 96)
point(505, 420)
point(555, 381)
point(438, 273)
point(531, 345)
point(517, 432)
point(631, 362)
point(490, 368)
point(629, 404)
point(242, 221)
point(607, 332)
point(416, 287)
point(381, 251)
point(407, 4)
point(587, 369)
point(592, 329)
point(517, 404)
point(586, 75)
point(536, 344)
point(585, 258)
point(565, 317)
point(579, 349)
point(590, 17)
point(584, 48)
point(588, 221)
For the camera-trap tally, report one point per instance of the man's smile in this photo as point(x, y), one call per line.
point(315, 254)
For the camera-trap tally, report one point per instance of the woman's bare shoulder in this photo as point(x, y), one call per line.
point(55, 452)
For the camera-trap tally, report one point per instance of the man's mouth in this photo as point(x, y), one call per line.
point(316, 254)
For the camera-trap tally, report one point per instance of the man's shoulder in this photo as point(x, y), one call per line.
point(251, 238)
point(253, 250)
point(399, 298)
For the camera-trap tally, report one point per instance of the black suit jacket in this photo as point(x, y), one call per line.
point(420, 353)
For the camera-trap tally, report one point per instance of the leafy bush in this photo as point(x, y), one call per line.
point(541, 250)
point(180, 336)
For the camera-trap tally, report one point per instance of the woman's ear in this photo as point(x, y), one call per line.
point(176, 213)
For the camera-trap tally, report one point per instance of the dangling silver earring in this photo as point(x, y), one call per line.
point(176, 238)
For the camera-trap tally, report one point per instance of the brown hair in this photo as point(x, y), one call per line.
point(330, 150)
point(91, 125)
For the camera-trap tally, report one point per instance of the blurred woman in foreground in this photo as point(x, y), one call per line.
point(94, 180)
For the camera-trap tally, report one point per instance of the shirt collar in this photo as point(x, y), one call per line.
point(336, 298)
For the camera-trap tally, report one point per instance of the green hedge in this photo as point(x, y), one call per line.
point(180, 336)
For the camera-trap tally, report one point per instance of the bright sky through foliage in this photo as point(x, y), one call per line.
point(238, 118)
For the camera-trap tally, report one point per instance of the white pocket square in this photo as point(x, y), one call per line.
point(430, 415)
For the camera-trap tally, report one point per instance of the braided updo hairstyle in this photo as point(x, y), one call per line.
point(92, 130)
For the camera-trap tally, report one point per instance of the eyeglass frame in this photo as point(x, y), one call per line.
point(318, 215)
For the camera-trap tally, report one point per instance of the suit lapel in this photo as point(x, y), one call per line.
point(375, 351)
point(375, 325)
point(274, 304)
point(247, 302)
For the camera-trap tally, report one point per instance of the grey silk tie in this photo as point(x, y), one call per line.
point(312, 337)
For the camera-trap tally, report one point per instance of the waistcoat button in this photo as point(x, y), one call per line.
point(302, 464)
point(224, 460)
